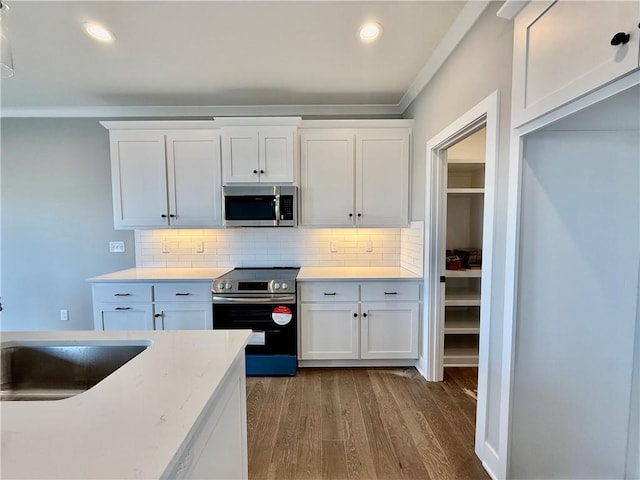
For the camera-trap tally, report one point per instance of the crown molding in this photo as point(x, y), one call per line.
point(511, 8)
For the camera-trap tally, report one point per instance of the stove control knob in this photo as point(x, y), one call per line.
point(276, 286)
point(227, 286)
point(221, 286)
point(284, 285)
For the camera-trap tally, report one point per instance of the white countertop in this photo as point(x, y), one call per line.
point(161, 274)
point(356, 273)
point(208, 274)
point(131, 424)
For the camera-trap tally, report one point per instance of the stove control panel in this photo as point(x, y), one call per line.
point(235, 286)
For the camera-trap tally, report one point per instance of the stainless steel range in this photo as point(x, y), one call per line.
point(263, 300)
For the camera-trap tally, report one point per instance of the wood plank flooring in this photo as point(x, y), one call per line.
point(362, 424)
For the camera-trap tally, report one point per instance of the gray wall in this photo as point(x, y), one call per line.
point(479, 66)
point(57, 221)
point(577, 304)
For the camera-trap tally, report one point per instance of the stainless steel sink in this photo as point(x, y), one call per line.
point(51, 370)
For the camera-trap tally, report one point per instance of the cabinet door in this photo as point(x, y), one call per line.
point(389, 330)
point(184, 316)
point(193, 165)
point(329, 331)
point(327, 177)
point(240, 155)
point(382, 177)
point(276, 154)
point(139, 179)
point(124, 316)
point(563, 50)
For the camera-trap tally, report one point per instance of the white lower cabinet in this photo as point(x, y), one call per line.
point(389, 330)
point(329, 331)
point(125, 316)
point(369, 326)
point(183, 316)
point(158, 306)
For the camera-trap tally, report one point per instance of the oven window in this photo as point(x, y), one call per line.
point(250, 208)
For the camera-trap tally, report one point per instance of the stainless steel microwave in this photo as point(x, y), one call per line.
point(260, 206)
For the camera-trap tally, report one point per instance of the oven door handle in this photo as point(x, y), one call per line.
point(253, 300)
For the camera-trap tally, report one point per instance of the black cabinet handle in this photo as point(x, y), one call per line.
point(355, 315)
point(261, 171)
point(329, 294)
point(364, 315)
point(182, 294)
point(351, 214)
point(123, 308)
point(390, 293)
point(620, 38)
point(164, 215)
point(158, 315)
point(359, 214)
point(255, 171)
point(121, 294)
point(172, 215)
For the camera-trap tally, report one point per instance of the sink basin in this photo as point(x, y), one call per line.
point(49, 370)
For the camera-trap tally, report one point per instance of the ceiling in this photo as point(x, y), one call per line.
point(202, 58)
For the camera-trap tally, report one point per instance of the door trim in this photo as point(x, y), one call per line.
point(430, 362)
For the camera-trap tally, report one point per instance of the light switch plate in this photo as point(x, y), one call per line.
point(116, 247)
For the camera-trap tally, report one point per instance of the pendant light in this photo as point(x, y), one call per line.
point(6, 55)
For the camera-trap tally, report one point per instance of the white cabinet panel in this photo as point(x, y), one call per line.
point(382, 178)
point(389, 330)
point(258, 155)
point(138, 173)
point(183, 291)
point(329, 291)
point(327, 178)
point(329, 331)
point(563, 50)
point(123, 316)
point(122, 292)
point(355, 177)
point(184, 316)
point(390, 291)
point(194, 179)
point(166, 178)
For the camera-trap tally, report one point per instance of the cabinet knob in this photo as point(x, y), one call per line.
point(164, 215)
point(620, 38)
point(261, 171)
point(255, 171)
point(359, 214)
point(172, 216)
point(158, 315)
point(355, 315)
point(351, 214)
point(364, 315)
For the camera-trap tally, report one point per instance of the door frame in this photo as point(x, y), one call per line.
point(430, 365)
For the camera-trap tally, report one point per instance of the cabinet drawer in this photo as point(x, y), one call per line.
point(183, 292)
point(390, 291)
point(121, 292)
point(329, 292)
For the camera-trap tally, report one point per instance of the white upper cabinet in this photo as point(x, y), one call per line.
point(382, 177)
point(327, 177)
point(566, 49)
point(193, 178)
point(258, 154)
point(355, 177)
point(165, 179)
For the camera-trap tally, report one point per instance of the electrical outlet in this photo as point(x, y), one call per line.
point(64, 314)
point(165, 247)
point(333, 246)
point(200, 247)
point(116, 247)
point(368, 246)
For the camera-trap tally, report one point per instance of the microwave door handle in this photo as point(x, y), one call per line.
point(276, 202)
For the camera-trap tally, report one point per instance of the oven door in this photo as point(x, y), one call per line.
point(273, 322)
point(250, 210)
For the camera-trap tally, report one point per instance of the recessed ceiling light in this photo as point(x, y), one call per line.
point(370, 31)
point(99, 32)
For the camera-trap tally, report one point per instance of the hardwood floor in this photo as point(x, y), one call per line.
point(365, 423)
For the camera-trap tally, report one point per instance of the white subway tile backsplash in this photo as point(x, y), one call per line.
point(392, 247)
